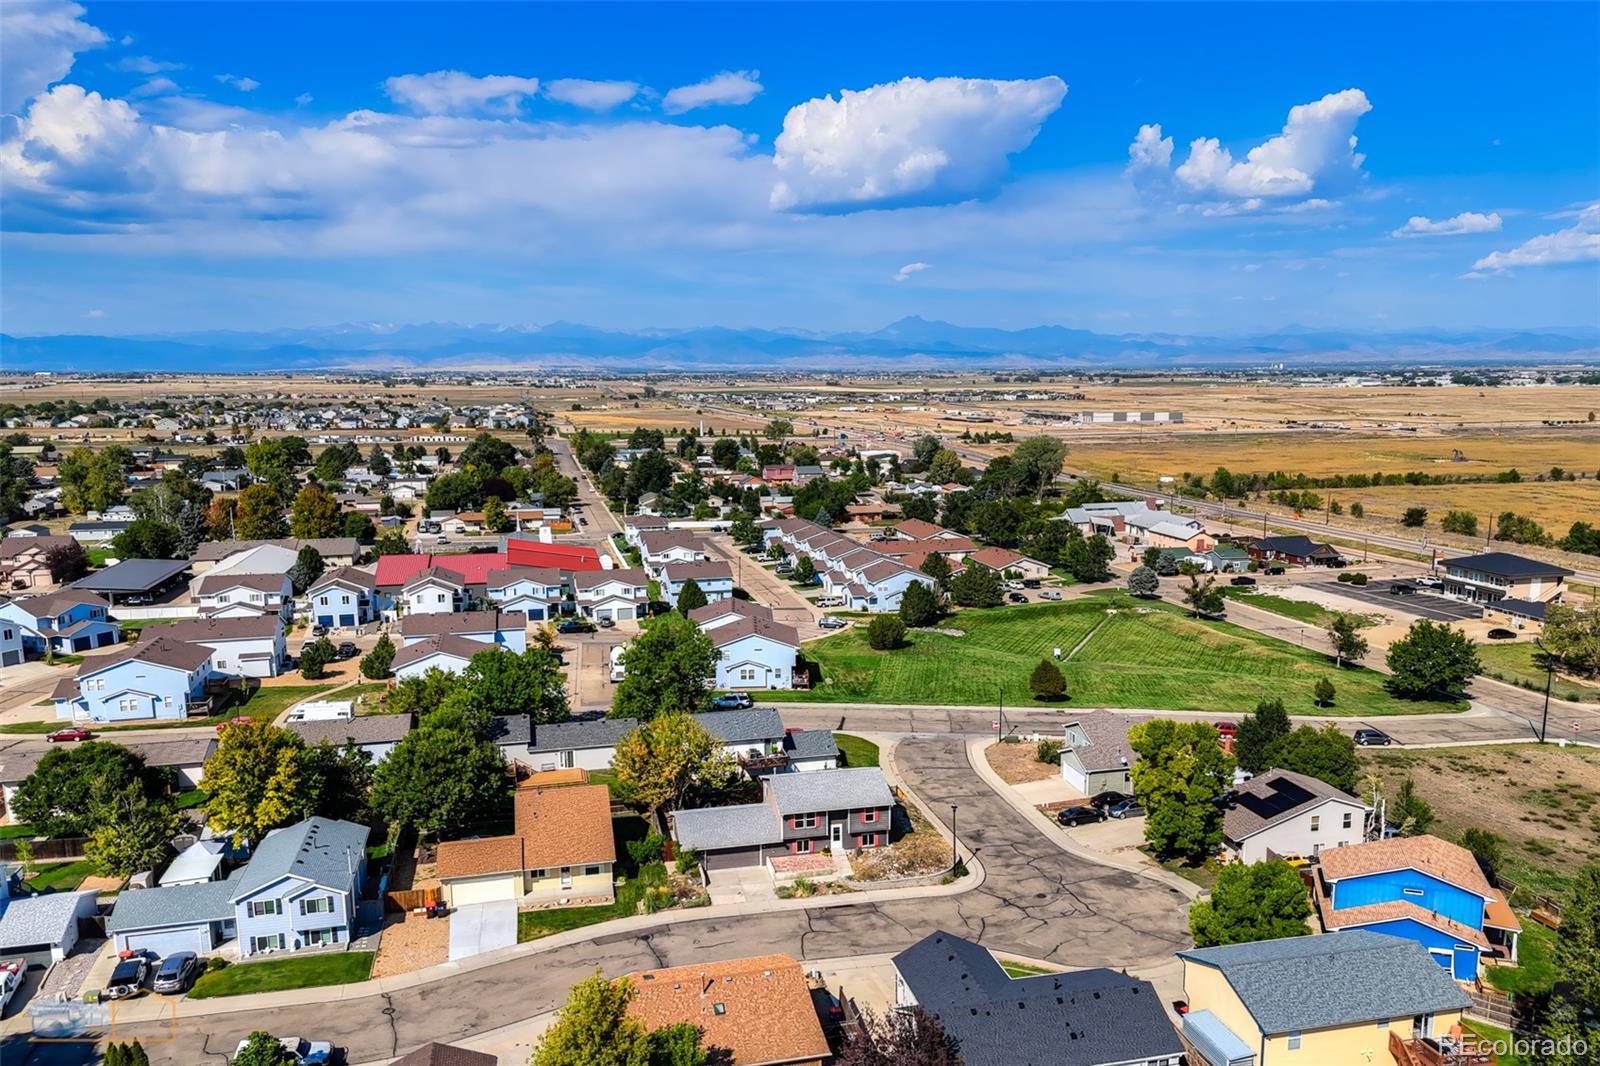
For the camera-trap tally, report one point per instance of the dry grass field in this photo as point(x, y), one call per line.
point(623, 415)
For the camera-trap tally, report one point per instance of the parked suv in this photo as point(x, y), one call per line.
point(128, 978)
point(177, 972)
point(731, 701)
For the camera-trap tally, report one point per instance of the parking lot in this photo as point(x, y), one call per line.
point(1421, 604)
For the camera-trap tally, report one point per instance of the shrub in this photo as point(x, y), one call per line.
point(1322, 692)
point(1346, 577)
point(1358, 578)
point(215, 963)
point(687, 861)
point(886, 632)
point(647, 849)
point(1048, 751)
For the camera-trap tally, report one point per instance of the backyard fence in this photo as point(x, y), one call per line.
point(407, 900)
point(45, 849)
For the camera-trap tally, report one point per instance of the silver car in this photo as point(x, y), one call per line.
point(176, 972)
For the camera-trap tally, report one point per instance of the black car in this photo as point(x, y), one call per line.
point(127, 979)
point(1108, 799)
point(1079, 816)
point(1367, 736)
point(346, 650)
point(1017, 597)
point(1401, 589)
point(1243, 581)
point(575, 625)
point(1502, 634)
point(319, 630)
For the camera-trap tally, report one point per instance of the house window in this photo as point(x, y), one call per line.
point(747, 673)
point(536, 874)
point(800, 847)
point(128, 704)
point(1383, 1023)
point(268, 942)
point(867, 840)
point(1316, 823)
point(261, 907)
point(323, 600)
point(719, 1008)
point(591, 871)
point(869, 815)
point(807, 821)
point(320, 937)
point(317, 905)
point(1347, 817)
point(1294, 1040)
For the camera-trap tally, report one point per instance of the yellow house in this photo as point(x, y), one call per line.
point(1351, 997)
point(562, 850)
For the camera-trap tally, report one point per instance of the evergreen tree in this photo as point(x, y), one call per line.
point(1047, 682)
point(690, 597)
point(918, 605)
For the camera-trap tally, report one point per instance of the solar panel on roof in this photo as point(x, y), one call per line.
point(1285, 795)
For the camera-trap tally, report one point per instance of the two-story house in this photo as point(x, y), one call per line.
point(300, 889)
point(509, 629)
point(1340, 998)
point(235, 595)
point(1284, 813)
point(66, 621)
point(619, 595)
point(11, 651)
point(240, 646)
point(799, 813)
point(562, 850)
point(1095, 754)
point(1421, 888)
point(634, 527)
point(755, 654)
point(659, 547)
point(24, 561)
point(537, 591)
point(756, 737)
point(1506, 584)
point(156, 679)
point(343, 597)
point(436, 590)
point(714, 578)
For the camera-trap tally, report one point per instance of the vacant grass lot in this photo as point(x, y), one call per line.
point(1132, 655)
point(1521, 664)
point(1299, 610)
point(274, 975)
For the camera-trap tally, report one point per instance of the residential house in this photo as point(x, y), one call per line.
point(1340, 998)
point(11, 652)
point(750, 1012)
point(375, 734)
point(725, 612)
point(233, 595)
point(714, 578)
point(1421, 888)
point(344, 597)
point(634, 527)
point(755, 654)
point(1295, 550)
point(1223, 559)
point(446, 651)
point(41, 930)
point(335, 551)
point(508, 629)
point(872, 512)
point(753, 736)
point(1109, 520)
point(437, 1054)
point(96, 532)
point(156, 679)
point(561, 849)
point(1095, 754)
point(920, 529)
point(1284, 813)
point(395, 571)
point(1005, 562)
point(778, 475)
point(659, 547)
point(539, 592)
point(1158, 529)
point(300, 889)
point(65, 621)
point(620, 595)
point(799, 813)
point(23, 561)
point(436, 590)
point(1094, 1017)
point(810, 749)
point(1511, 585)
point(247, 646)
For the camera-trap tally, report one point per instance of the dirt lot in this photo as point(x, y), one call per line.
point(1017, 764)
point(920, 851)
point(1544, 800)
point(411, 942)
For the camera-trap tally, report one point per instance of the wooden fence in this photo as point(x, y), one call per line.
point(52, 849)
point(406, 900)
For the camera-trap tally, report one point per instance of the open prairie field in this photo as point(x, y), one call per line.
point(619, 415)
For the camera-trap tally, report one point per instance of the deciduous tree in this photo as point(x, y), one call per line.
point(667, 757)
point(667, 667)
point(259, 514)
point(1432, 661)
point(146, 538)
point(1257, 732)
point(1326, 754)
point(1180, 771)
point(531, 683)
point(593, 1028)
point(913, 1037)
point(256, 780)
point(1344, 633)
point(132, 830)
point(57, 798)
point(443, 778)
point(1047, 682)
point(1252, 901)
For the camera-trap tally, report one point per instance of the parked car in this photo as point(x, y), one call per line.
point(1050, 594)
point(128, 978)
point(1243, 581)
point(1400, 588)
point(1079, 816)
point(1429, 583)
point(1128, 808)
point(1017, 597)
point(1367, 736)
point(732, 701)
point(575, 625)
point(828, 621)
point(605, 623)
point(1277, 568)
point(1108, 799)
point(10, 981)
point(346, 650)
point(1227, 729)
point(176, 972)
point(1296, 861)
point(1030, 582)
point(305, 1052)
point(69, 733)
point(1502, 634)
point(319, 630)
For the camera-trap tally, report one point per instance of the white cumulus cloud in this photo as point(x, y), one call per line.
point(1150, 149)
point(909, 269)
point(445, 92)
point(910, 141)
point(41, 42)
point(1578, 243)
point(1466, 222)
point(240, 82)
point(592, 95)
point(728, 89)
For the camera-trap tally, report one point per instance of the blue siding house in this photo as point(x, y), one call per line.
point(66, 621)
point(157, 679)
point(301, 889)
point(1423, 889)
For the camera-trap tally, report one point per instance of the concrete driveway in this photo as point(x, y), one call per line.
point(24, 685)
point(480, 927)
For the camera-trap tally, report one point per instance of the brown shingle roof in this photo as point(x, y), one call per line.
point(1448, 862)
point(759, 627)
point(766, 1014)
point(555, 827)
point(917, 528)
point(473, 858)
point(445, 1055)
point(445, 643)
point(433, 625)
point(192, 629)
point(440, 574)
point(210, 583)
point(352, 576)
point(161, 651)
point(731, 605)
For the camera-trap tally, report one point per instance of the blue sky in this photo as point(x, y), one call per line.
point(170, 167)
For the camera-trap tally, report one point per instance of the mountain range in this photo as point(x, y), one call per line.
point(910, 343)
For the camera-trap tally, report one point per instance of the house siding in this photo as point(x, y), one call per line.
point(1429, 893)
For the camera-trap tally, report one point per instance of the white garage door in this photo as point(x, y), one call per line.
point(485, 890)
point(164, 942)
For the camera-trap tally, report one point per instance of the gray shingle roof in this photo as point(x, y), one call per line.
point(1310, 982)
point(149, 908)
point(214, 550)
point(830, 790)
point(711, 828)
point(34, 920)
point(510, 730)
point(810, 744)
point(324, 851)
point(738, 727)
point(581, 733)
point(1505, 564)
point(1272, 797)
point(432, 625)
point(362, 729)
point(132, 575)
point(1069, 1019)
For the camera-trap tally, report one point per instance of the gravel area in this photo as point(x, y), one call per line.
point(411, 942)
point(66, 977)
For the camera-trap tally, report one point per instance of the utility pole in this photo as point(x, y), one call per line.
point(955, 853)
point(1549, 674)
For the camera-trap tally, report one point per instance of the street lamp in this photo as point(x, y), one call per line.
point(1549, 673)
point(955, 855)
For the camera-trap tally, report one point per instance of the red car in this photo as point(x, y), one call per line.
point(70, 733)
point(1227, 729)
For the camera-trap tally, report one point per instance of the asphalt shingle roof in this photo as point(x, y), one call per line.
point(323, 851)
point(1312, 982)
point(31, 920)
point(810, 744)
point(1272, 797)
point(711, 828)
point(1504, 564)
point(363, 729)
point(849, 788)
point(581, 733)
point(148, 908)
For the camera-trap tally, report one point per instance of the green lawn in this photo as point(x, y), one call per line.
point(1521, 664)
point(856, 752)
point(16, 832)
point(274, 975)
point(531, 925)
point(188, 801)
point(1535, 952)
point(265, 704)
point(138, 625)
point(1140, 654)
point(365, 696)
point(1014, 968)
point(60, 876)
point(1299, 610)
point(1502, 1037)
